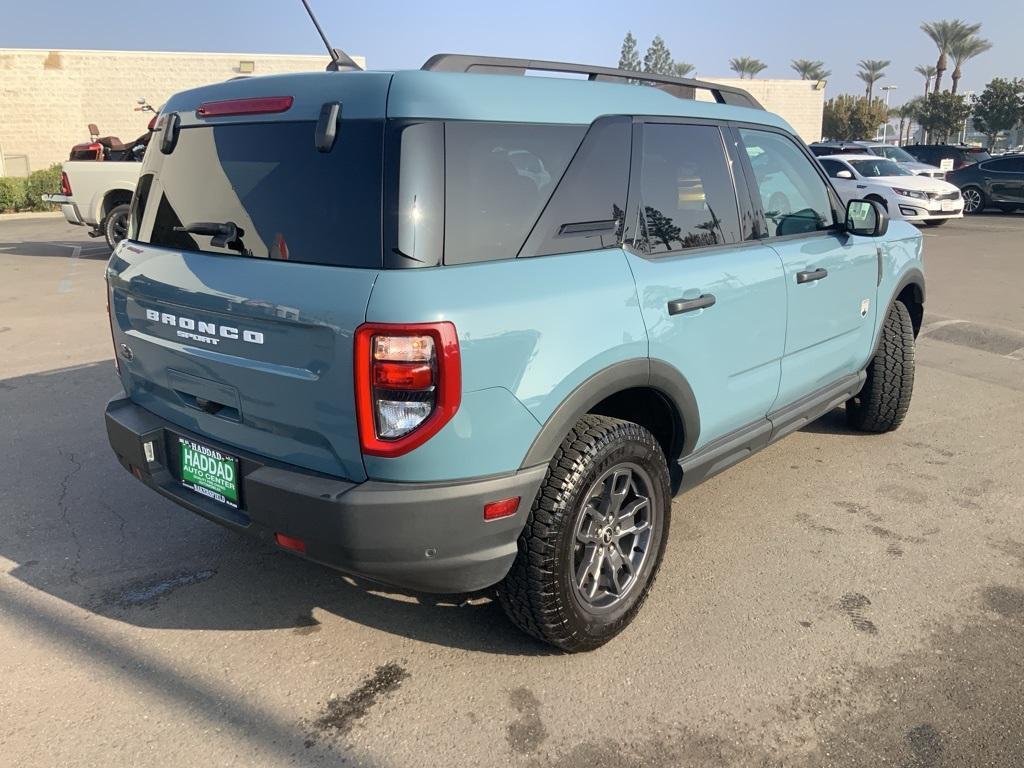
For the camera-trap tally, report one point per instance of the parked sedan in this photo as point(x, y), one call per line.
point(904, 194)
point(997, 183)
point(881, 149)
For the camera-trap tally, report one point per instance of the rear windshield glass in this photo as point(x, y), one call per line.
point(269, 188)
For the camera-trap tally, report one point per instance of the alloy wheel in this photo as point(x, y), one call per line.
point(612, 536)
point(972, 200)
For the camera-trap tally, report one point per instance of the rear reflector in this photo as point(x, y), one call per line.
point(290, 542)
point(262, 105)
point(498, 509)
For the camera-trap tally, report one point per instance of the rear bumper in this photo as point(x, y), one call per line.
point(67, 207)
point(429, 537)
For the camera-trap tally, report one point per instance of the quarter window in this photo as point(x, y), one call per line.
point(687, 197)
point(794, 197)
point(498, 178)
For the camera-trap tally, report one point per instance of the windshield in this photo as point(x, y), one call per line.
point(895, 153)
point(879, 167)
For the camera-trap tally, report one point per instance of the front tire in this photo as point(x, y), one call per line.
point(974, 200)
point(935, 222)
point(882, 404)
point(594, 538)
point(115, 226)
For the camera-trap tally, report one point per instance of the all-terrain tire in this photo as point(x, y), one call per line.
point(115, 226)
point(883, 402)
point(539, 593)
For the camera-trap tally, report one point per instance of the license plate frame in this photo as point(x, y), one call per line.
point(209, 472)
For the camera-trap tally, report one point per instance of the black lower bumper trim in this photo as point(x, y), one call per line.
point(429, 537)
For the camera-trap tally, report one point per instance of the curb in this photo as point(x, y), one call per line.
point(29, 215)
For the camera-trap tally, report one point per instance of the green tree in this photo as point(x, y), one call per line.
point(658, 59)
point(747, 66)
point(942, 114)
point(629, 59)
point(999, 108)
point(927, 71)
point(908, 113)
point(848, 118)
point(810, 70)
point(681, 69)
point(871, 71)
point(965, 50)
point(945, 34)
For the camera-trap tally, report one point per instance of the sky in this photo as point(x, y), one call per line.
point(402, 35)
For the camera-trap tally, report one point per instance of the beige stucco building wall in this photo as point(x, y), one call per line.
point(799, 102)
point(48, 97)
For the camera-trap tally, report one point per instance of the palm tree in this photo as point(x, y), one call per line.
point(810, 70)
point(871, 71)
point(681, 69)
point(746, 65)
point(964, 50)
point(945, 34)
point(927, 71)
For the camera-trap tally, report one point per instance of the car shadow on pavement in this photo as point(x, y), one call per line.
point(91, 249)
point(82, 529)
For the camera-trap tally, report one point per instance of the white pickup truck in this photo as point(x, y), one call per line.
point(97, 194)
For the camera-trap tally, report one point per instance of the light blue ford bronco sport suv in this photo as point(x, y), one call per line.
point(461, 328)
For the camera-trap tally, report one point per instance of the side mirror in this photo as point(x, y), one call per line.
point(867, 218)
point(844, 174)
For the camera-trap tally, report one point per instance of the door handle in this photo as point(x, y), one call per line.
point(811, 276)
point(678, 306)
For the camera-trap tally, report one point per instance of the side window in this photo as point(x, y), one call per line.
point(498, 178)
point(586, 211)
point(794, 197)
point(1006, 165)
point(687, 198)
point(832, 167)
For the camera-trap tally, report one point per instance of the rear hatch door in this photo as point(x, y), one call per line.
point(246, 338)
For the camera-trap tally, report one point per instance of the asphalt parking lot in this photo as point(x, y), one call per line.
point(837, 600)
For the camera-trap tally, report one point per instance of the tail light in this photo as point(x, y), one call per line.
point(408, 384)
point(65, 185)
point(257, 106)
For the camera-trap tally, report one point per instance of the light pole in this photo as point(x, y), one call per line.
point(967, 98)
point(885, 125)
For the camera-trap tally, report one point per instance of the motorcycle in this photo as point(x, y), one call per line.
point(111, 147)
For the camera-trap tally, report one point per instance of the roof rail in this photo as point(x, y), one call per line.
point(681, 87)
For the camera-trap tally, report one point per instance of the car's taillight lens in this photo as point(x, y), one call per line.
point(257, 106)
point(408, 384)
point(65, 185)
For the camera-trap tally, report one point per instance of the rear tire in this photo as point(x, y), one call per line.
point(594, 537)
point(883, 402)
point(974, 200)
point(115, 226)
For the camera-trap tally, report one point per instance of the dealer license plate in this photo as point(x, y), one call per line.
point(208, 471)
point(949, 205)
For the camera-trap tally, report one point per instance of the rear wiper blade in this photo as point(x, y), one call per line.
point(225, 234)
